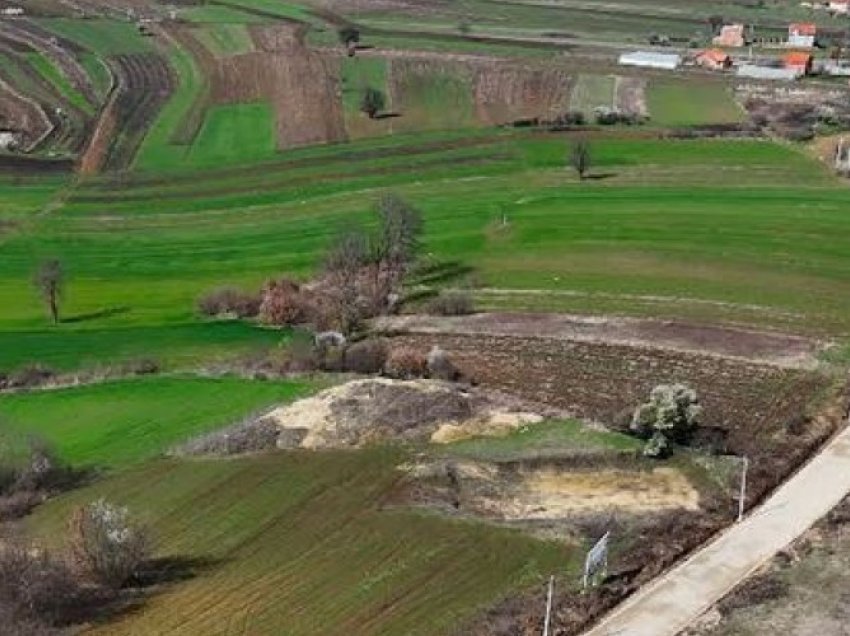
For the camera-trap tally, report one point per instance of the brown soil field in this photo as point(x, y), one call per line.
point(22, 115)
point(630, 95)
point(507, 92)
point(302, 84)
point(144, 83)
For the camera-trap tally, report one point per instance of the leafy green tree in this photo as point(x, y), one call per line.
point(372, 102)
point(580, 158)
point(671, 415)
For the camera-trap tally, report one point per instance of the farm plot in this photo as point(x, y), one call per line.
point(145, 82)
point(305, 544)
point(224, 39)
point(114, 424)
point(358, 74)
point(430, 95)
point(235, 134)
point(101, 36)
point(682, 103)
point(592, 92)
point(505, 93)
point(303, 86)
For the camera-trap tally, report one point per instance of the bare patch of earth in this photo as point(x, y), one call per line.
point(379, 409)
point(630, 95)
point(761, 347)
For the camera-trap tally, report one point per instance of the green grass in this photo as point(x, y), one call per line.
point(546, 438)
point(118, 423)
point(684, 103)
point(225, 39)
point(100, 35)
point(216, 14)
point(300, 544)
point(23, 195)
point(58, 80)
point(234, 134)
point(358, 74)
point(431, 99)
point(173, 345)
point(591, 92)
point(98, 73)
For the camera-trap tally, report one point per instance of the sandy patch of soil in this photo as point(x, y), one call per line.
point(630, 95)
point(373, 410)
point(757, 346)
point(535, 491)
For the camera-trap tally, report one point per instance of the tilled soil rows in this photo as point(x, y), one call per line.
point(303, 85)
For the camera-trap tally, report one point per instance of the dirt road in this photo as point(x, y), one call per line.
point(673, 601)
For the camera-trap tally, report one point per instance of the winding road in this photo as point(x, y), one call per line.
point(670, 603)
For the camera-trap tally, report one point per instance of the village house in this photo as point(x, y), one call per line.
point(840, 7)
point(799, 62)
point(802, 35)
point(713, 59)
point(731, 35)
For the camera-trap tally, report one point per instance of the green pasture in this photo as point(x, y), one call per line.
point(234, 134)
point(701, 229)
point(23, 195)
point(304, 544)
point(118, 423)
point(219, 14)
point(357, 74)
point(98, 73)
point(687, 103)
point(429, 97)
point(102, 36)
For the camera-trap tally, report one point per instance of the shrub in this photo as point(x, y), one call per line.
point(440, 367)
point(367, 356)
point(229, 301)
point(405, 363)
point(37, 590)
point(32, 375)
point(451, 303)
point(284, 303)
point(672, 412)
point(106, 544)
point(142, 366)
point(250, 436)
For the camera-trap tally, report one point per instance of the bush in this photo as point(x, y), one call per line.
point(30, 376)
point(440, 367)
point(405, 364)
point(106, 544)
point(284, 303)
point(672, 412)
point(251, 436)
point(451, 303)
point(367, 356)
point(142, 366)
point(37, 591)
point(229, 301)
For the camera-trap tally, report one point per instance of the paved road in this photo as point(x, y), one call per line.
point(672, 602)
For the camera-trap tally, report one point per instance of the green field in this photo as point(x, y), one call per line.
point(234, 134)
point(224, 39)
point(119, 423)
point(301, 544)
point(61, 83)
point(683, 103)
point(100, 35)
point(592, 92)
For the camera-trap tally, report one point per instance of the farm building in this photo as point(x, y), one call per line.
point(731, 35)
point(755, 71)
point(8, 140)
point(13, 12)
point(799, 62)
point(836, 68)
point(648, 59)
point(802, 34)
point(714, 59)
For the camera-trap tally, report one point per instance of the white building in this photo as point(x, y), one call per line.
point(802, 35)
point(8, 140)
point(12, 12)
point(755, 71)
point(650, 59)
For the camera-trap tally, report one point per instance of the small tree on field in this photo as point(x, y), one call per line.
point(579, 157)
point(344, 264)
point(350, 36)
point(106, 544)
point(671, 415)
point(49, 281)
point(372, 102)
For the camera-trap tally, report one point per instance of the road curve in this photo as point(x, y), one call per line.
point(670, 603)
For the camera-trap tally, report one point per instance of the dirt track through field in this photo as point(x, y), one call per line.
point(674, 600)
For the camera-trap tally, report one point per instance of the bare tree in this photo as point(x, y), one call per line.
point(394, 248)
point(49, 280)
point(344, 264)
point(579, 157)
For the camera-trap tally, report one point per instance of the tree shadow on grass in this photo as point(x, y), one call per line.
point(95, 315)
point(599, 176)
point(392, 115)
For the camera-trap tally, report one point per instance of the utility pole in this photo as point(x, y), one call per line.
point(547, 622)
point(743, 495)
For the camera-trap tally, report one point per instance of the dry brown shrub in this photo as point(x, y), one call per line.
point(229, 301)
point(368, 356)
point(452, 303)
point(405, 363)
point(284, 303)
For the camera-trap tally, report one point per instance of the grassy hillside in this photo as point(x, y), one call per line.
point(114, 424)
point(303, 544)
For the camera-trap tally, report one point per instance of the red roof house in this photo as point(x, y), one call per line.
point(798, 61)
point(802, 34)
point(714, 59)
